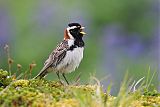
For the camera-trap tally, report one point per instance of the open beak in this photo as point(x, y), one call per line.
point(83, 33)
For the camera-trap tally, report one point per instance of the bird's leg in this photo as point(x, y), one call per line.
point(59, 77)
point(65, 78)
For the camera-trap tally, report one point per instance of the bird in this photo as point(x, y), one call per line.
point(68, 54)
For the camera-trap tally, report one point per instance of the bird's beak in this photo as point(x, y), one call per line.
point(83, 33)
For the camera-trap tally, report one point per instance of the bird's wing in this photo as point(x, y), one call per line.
point(57, 55)
point(54, 59)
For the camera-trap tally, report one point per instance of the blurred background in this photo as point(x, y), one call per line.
point(122, 35)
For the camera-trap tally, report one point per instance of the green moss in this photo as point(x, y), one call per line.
point(32, 92)
point(149, 101)
point(42, 93)
point(4, 78)
point(21, 83)
point(151, 93)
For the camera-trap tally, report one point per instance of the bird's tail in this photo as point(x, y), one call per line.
point(41, 74)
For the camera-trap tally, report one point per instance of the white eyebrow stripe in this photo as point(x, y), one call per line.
point(73, 27)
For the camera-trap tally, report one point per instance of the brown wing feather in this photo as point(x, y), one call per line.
point(55, 58)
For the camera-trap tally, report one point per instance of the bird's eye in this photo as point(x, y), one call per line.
point(71, 31)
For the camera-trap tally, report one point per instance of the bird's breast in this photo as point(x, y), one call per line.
point(71, 60)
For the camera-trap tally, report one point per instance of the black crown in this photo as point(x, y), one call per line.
point(73, 24)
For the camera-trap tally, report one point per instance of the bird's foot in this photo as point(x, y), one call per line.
point(61, 82)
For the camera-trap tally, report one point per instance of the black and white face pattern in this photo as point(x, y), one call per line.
point(74, 31)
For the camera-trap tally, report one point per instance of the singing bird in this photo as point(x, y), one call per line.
point(67, 55)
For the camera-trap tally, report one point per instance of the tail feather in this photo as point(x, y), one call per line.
point(41, 74)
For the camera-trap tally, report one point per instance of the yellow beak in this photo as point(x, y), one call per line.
point(83, 33)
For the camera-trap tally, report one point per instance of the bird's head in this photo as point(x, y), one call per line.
point(74, 31)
